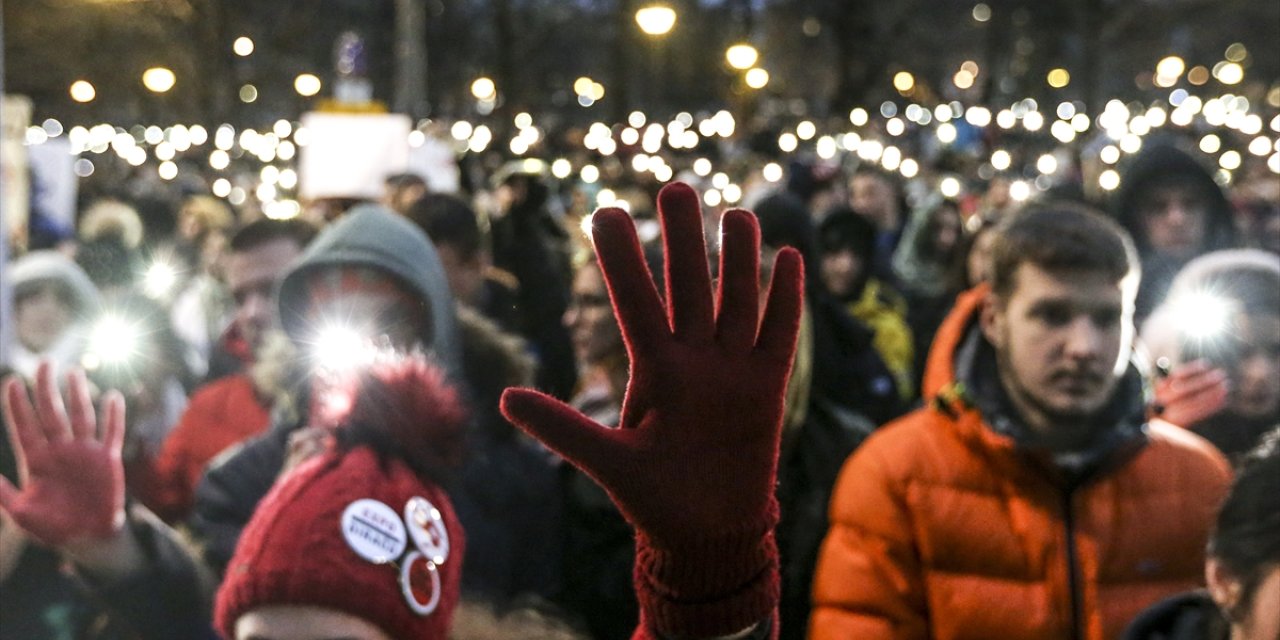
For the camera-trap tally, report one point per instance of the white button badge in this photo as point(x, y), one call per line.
point(426, 527)
point(374, 531)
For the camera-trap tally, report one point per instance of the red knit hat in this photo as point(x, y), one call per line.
point(357, 531)
point(356, 534)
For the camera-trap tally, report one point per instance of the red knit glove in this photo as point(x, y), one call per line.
point(694, 461)
point(72, 478)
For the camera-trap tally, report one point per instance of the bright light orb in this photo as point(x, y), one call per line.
point(1228, 72)
point(338, 347)
point(656, 19)
point(82, 91)
point(243, 46)
point(114, 340)
point(950, 187)
point(903, 81)
point(1171, 67)
point(741, 56)
point(1058, 78)
point(483, 88)
point(159, 279)
point(772, 172)
point(158, 79)
point(307, 84)
point(1203, 315)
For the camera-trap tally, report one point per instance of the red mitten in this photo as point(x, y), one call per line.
point(694, 461)
point(72, 476)
point(1192, 392)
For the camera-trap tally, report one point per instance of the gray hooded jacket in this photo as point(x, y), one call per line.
point(373, 236)
point(368, 236)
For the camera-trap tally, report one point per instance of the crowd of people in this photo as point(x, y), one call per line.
point(494, 414)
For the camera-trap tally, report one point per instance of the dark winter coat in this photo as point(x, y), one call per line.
point(44, 598)
point(1186, 616)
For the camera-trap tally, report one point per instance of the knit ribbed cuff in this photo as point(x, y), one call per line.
point(711, 586)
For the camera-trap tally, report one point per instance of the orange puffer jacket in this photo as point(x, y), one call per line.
point(941, 527)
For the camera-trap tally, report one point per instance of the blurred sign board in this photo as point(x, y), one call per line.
point(15, 117)
point(350, 155)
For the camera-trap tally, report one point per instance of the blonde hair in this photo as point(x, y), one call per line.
point(112, 218)
point(207, 213)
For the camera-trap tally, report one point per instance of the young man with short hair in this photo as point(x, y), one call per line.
point(1029, 498)
point(233, 407)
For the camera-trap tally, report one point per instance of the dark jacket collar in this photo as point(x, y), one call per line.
point(1117, 432)
point(1186, 616)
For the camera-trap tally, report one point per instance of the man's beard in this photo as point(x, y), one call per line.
point(1056, 421)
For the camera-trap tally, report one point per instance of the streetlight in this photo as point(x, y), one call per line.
point(757, 78)
point(1058, 78)
point(83, 91)
point(306, 84)
point(904, 82)
point(656, 19)
point(243, 46)
point(741, 56)
point(158, 79)
point(484, 89)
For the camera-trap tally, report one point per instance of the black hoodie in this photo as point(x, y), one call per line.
point(1162, 164)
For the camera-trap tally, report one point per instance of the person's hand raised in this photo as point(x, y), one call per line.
point(694, 461)
point(1191, 392)
point(69, 462)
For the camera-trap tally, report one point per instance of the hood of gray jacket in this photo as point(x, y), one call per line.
point(373, 236)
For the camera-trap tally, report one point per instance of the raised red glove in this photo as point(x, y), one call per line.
point(694, 461)
point(72, 476)
point(1192, 392)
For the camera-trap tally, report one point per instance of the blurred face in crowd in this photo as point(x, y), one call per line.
point(1061, 340)
point(294, 622)
point(252, 276)
point(824, 200)
point(946, 230)
point(374, 313)
point(997, 196)
point(841, 270)
point(1260, 617)
point(401, 196)
point(465, 274)
point(42, 317)
point(1174, 218)
point(1255, 369)
point(590, 320)
point(979, 260)
point(874, 197)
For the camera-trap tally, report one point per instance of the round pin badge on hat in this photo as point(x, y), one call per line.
point(426, 528)
point(420, 583)
point(374, 531)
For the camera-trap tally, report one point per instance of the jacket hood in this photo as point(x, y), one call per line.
point(1161, 163)
point(51, 266)
point(1247, 277)
point(374, 237)
point(962, 377)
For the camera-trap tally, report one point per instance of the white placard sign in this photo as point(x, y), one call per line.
point(350, 155)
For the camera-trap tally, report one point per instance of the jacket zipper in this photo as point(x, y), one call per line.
point(1073, 578)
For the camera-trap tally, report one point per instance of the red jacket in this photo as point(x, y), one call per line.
point(220, 414)
point(943, 527)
